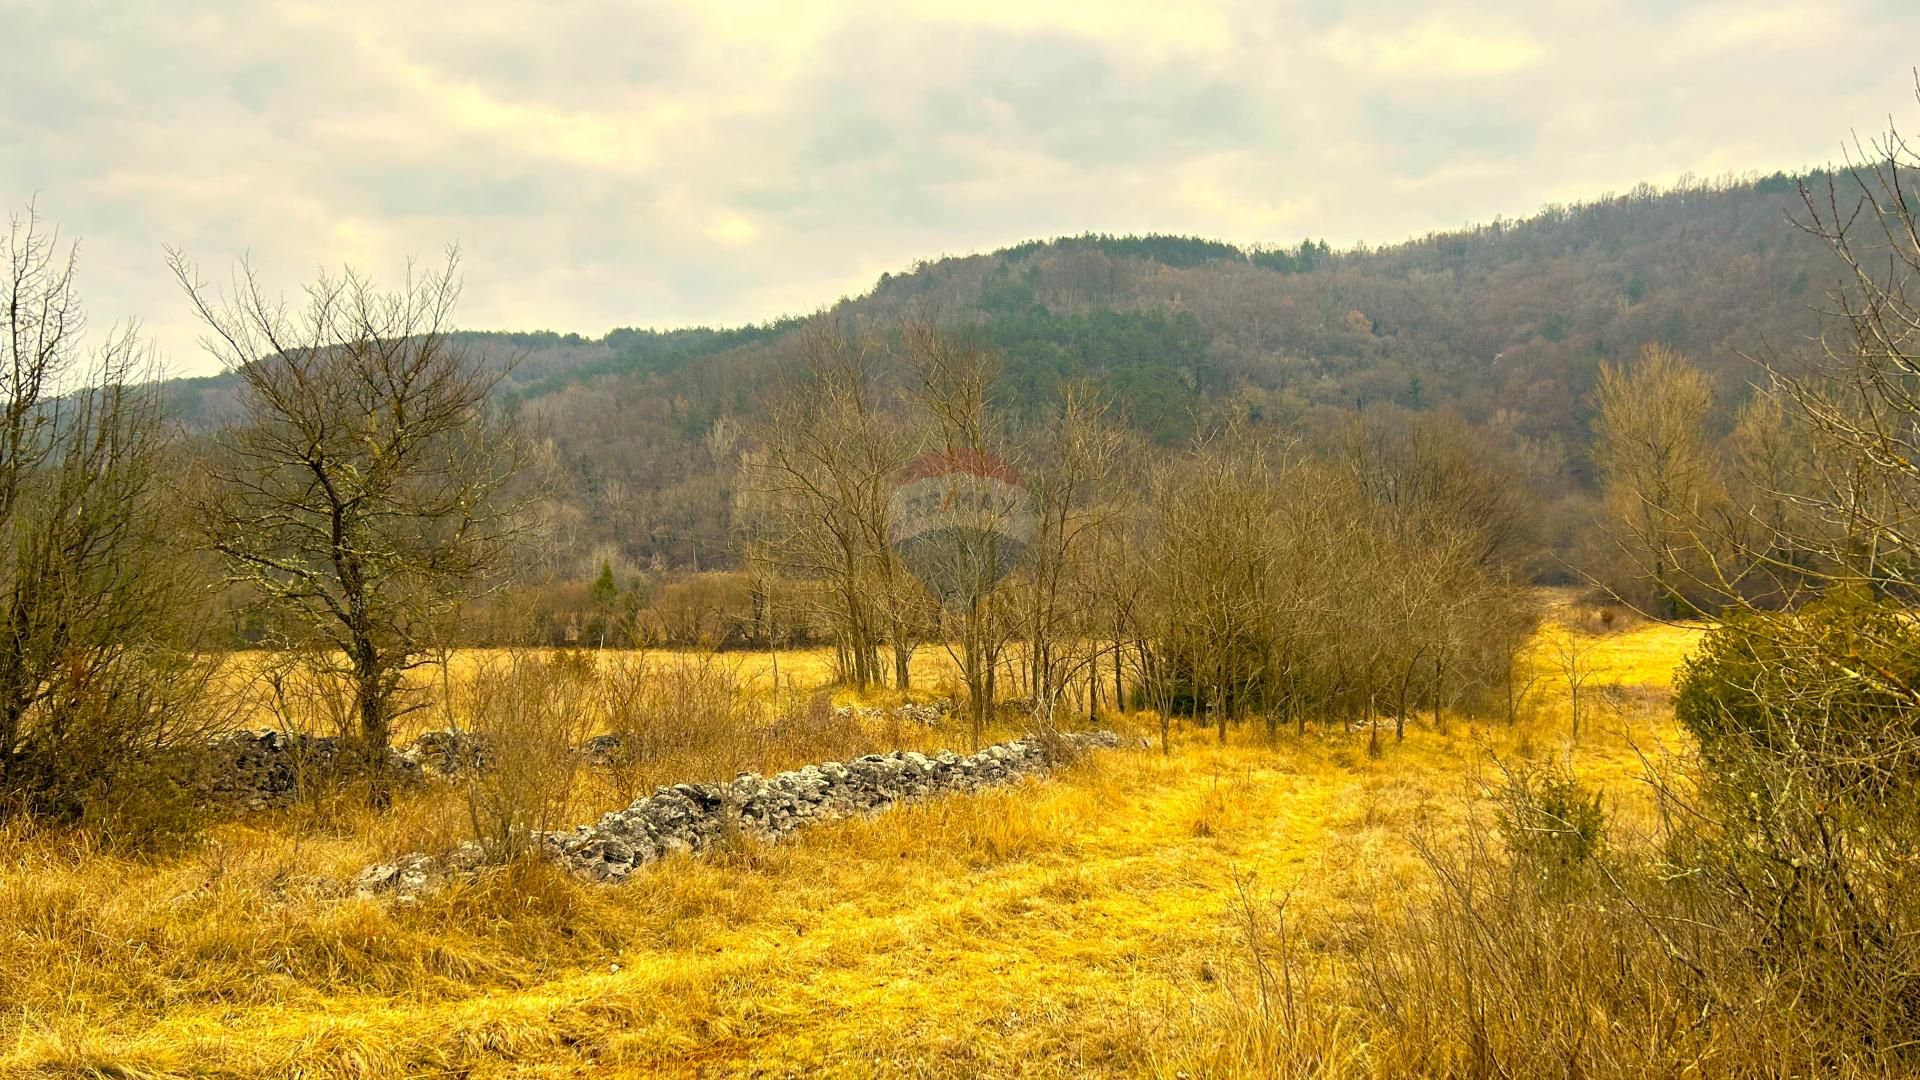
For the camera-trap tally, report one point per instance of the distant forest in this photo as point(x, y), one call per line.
point(1506, 324)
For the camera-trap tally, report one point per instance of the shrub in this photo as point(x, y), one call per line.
point(113, 748)
point(1806, 725)
point(530, 714)
point(676, 717)
point(1831, 688)
point(1802, 819)
point(1551, 824)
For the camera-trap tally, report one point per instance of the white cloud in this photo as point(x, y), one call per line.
point(1436, 47)
point(732, 230)
point(606, 162)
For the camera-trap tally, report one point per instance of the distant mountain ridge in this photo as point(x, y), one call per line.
point(1506, 323)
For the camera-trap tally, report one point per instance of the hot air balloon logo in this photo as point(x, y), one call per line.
point(960, 521)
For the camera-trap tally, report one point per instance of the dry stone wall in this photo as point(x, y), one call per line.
point(696, 817)
point(263, 770)
point(931, 714)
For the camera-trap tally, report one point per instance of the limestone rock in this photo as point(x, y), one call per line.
point(697, 817)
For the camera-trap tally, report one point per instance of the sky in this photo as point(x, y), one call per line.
point(606, 164)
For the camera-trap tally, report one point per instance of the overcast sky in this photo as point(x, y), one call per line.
point(606, 164)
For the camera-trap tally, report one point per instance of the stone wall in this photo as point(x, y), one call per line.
point(932, 714)
point(695, 817)
point(263, 770)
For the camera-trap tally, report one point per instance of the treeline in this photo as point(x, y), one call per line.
point(1370, 569)
point(1178, 251)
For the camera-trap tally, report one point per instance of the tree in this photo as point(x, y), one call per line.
point(1657, 462)
point(1573, 657)
point(817, 484)
point(1445, 532)
point(952, 383)
point(1209, 577)
point(605, 594)
point(99, 677)
point(360, 490)
point(1072, 487)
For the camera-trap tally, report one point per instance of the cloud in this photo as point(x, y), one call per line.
point(1436, 47)
point(606, 162)
point(732, 230)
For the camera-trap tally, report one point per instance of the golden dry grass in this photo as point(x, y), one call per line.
point(1084, 925)
point(758, 673)
point(1630, 652)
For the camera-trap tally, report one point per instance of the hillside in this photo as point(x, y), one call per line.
point(1506, 323)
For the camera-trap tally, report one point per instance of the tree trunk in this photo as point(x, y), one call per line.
point(1373, 721)
point(1400, 706)
point(370, 705)
point(972, 660)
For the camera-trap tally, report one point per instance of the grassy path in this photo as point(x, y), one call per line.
point(1081, 925)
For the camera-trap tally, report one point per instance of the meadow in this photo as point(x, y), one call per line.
point(1117, 918)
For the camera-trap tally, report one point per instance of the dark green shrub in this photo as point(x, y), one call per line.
point(1802, 817)
point(1551, 824)
point(1828, 693)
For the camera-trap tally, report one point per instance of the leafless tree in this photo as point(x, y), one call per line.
point(1074, 485)
point(1441, 535)
point(1658, 462)
point(951, 385)
point(1209, 574)
point(1573, 659)
point(817, 480)
point(359, 493)
point(97, 594)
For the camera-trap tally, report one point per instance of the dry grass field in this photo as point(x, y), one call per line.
point(1095, 923)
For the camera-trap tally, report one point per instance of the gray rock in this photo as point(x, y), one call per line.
point(696, 817)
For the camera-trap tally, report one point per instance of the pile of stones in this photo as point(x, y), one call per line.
point(931, 714)
point(449, 752)
point(262, 770)
point(606, 751)
point(696, 817)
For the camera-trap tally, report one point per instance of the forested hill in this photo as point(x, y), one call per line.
point(1505, 323)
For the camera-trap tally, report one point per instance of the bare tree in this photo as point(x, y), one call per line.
point(952, 384)
point(1657, 460)
point(1073, 482)
point(1210, 576)
point(817, 484)
point(1573, 658)
point(360, 491)
point(1441, 531)
point(1512, 636)
point(98, 673)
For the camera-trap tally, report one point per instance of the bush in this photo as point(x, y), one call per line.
point(1828, 693)
point(114, 749)
point(686, 717)
point(687, 710)
point(530, 714)
point(1802, 820)
point(1551, 824)
point(1806, 728)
